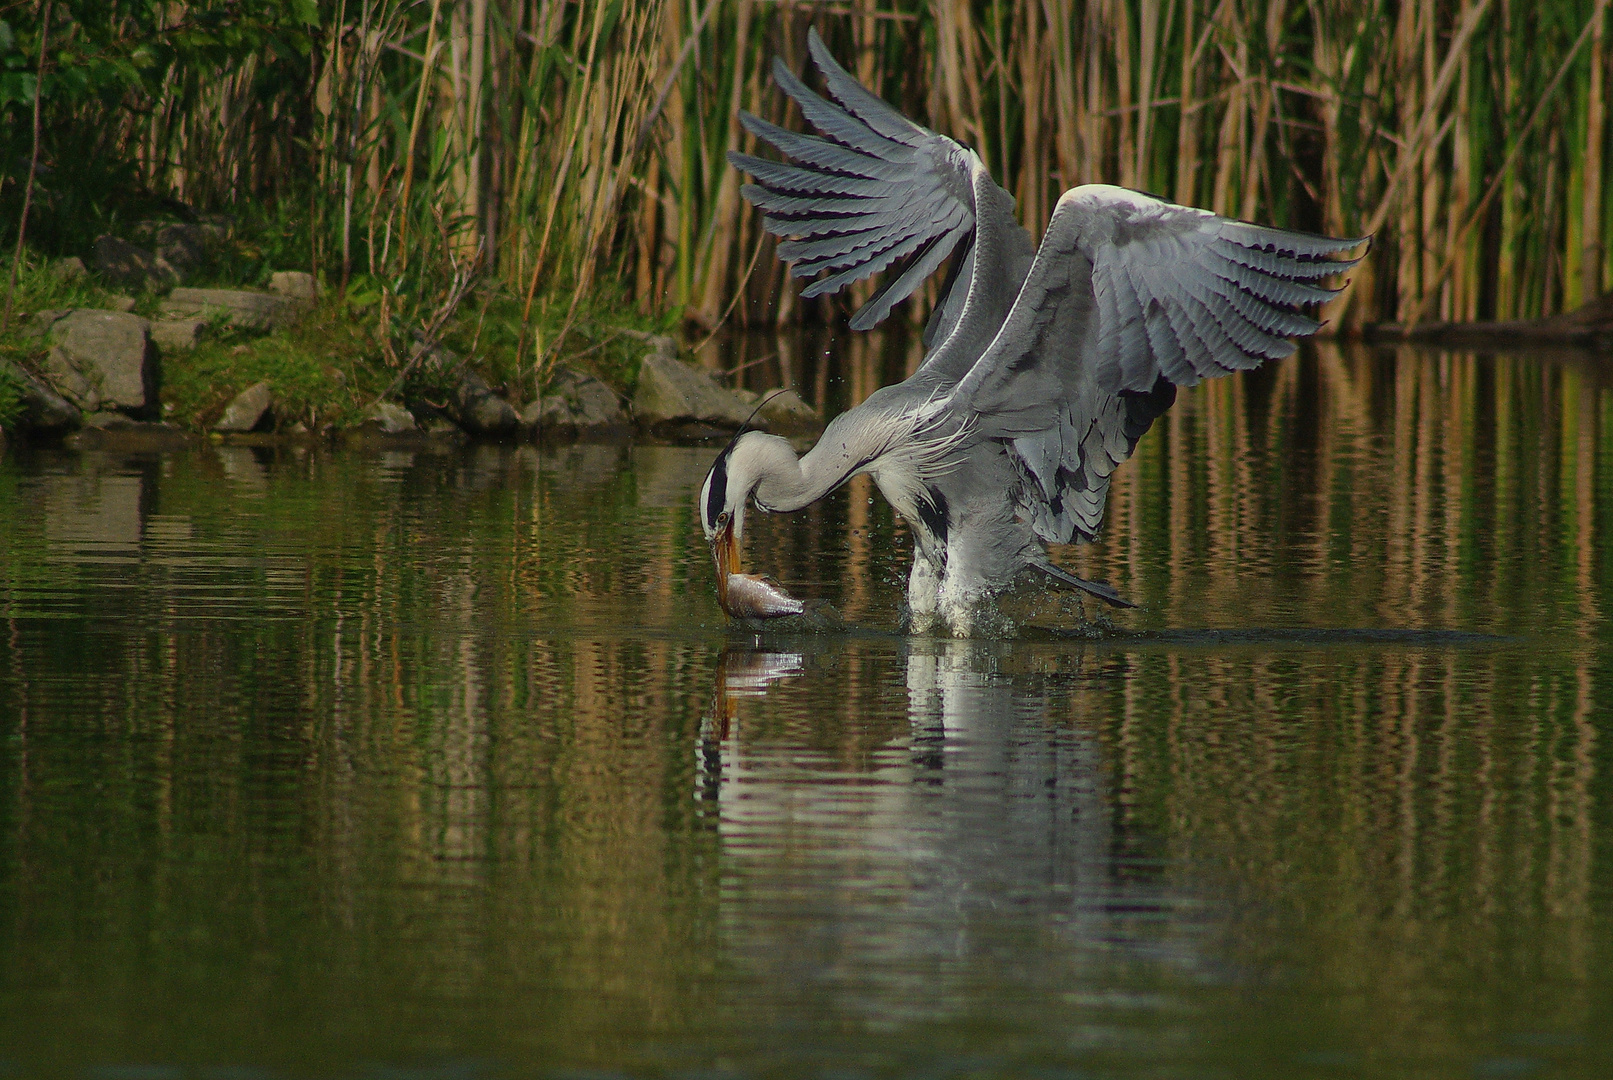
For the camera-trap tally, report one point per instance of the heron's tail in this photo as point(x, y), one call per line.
point(1102, 590)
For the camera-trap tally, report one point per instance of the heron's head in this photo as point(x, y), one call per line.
point(728, 487)
point(722, 513)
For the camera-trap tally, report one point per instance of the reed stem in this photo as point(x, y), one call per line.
point(570, 142)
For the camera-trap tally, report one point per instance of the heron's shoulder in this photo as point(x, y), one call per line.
point(1120, 200)
point(1107, 212)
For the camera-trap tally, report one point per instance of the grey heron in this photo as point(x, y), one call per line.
point(1043, 366)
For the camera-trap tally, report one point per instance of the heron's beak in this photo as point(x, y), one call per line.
point(725, 550)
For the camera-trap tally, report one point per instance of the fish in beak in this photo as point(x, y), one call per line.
point(746, 596)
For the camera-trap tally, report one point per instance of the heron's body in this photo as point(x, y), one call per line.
point(1044, 366)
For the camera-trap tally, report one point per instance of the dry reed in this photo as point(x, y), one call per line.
point(565, 141)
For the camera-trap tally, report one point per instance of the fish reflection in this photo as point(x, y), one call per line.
point(748, 674)
point(741, 673)
point(889, 869)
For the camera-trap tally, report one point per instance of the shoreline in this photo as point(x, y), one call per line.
point(93, 377)
point(663, 399)
point(1517, 334)
point(1588, 328)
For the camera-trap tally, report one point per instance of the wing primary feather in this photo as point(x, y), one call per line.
point(855, 97)
point(866, 249)
point(778, 176)
point(1278, 264)
point(917, 212)
point(1255, 344)
point(1244, 350)
point(1247, 234)
point(1102, 590)
point(1265, 286)
point(886, 237)
point(824, 153)
point(1270, 317)
point(782, 205)
point(1220, 351)
point(868, 244)
point(1187, 333)
point(901, 286)
point(836, 122)
point(908, 219)
point(873, 265)
point(831, 245)
point(826, 226)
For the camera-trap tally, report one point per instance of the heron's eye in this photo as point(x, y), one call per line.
point(722, 519)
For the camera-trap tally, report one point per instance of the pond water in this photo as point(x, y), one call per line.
point(444, 763)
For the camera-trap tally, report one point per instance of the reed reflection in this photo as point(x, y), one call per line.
point(1374, 487)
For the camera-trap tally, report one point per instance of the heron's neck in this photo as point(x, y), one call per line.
point(789, 483)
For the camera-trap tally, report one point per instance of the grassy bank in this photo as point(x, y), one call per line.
point(330, 366)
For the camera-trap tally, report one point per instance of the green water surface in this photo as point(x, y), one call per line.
point(444, 763)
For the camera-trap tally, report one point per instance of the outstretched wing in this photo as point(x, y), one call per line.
point(1129, 298)
point(878, 192)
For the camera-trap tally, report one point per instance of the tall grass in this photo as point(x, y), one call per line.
point(552, 143)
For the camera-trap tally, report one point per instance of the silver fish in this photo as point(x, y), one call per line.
point(751, 596)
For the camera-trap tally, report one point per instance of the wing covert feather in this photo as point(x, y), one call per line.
point(1130, 297)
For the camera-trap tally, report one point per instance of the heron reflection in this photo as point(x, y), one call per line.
point(895, 876)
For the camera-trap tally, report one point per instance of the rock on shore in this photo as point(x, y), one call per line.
point(671, 392)
point(43, 410)
point(247, 410)
point(98, 369)
point(102, 359)
point(576, 404)
point(480, 412)
point(178, 335)
point(238, 307)
point(389, 418)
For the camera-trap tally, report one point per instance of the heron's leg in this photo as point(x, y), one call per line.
point(959, 608)
point(975, 571)
point(960, 596)
point(923, 590)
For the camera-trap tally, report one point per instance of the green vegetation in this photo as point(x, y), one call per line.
point(331, 366)
point(37, 289)
point(323, 371)
point(10, 399)
point(535, 154)
point(156, 112)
